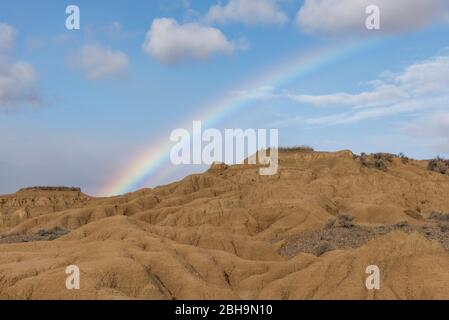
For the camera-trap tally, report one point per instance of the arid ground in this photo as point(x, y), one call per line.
point(308, 232)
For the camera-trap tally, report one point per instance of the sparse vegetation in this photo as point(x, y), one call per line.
point(439, 165)
point(402, 224)
point(345, 220)
point(379, 161)
point(403, 158)
point(296, 149)
point(384, 156)
point(48, 188)
point(338, 237)
point(444, 226)
point(41, 235)
point(439, 216)
point(322, 248)
point(330, 224)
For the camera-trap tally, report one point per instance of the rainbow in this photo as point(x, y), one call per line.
point(151, 161)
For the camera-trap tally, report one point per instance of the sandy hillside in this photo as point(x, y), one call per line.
point(308, 232)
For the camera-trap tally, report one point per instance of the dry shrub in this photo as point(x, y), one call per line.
point(379, 161)
point(439, 216)
point(404, 158)
point(48, 188)
point(330, 224)
point(401, 225)
point(296, 149)
point(439, 165)
point(322, 248)
point(444, 226)
point(388, 157)
point(345, 220)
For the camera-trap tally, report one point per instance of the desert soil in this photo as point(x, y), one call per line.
point(230, 233)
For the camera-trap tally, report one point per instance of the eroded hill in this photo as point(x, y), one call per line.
point(230, 233)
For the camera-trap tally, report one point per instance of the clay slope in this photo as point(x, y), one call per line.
point(230, 233)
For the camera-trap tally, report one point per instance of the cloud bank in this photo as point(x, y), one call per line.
point(421, 86)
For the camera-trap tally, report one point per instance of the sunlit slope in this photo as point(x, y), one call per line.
point(221, 234)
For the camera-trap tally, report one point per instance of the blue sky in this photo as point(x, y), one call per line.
point(78, 106)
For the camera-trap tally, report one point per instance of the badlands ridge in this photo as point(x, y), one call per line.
point(308, 232)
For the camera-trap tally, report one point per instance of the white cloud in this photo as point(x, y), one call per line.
point(247, 11)
point(170, 42)
point(348, 16)
point(380, 95)
point(421, 86)
point(98, 62)
point(17, 79)
point(403, 107)
point(427, 77)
